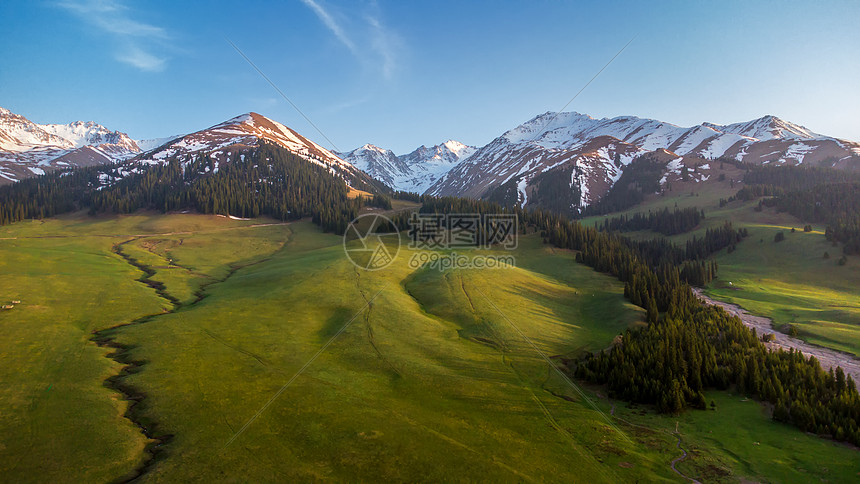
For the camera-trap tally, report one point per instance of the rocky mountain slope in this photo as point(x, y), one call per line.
point(592, 153)
point(29, 149)
point(412, 172)
point(233, 137)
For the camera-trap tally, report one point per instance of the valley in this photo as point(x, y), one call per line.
point(428, 371)
point(387, 242)
point(198, 295)
point(791, 282)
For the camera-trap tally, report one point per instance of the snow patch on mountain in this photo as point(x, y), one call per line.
point(767, 128)
point(411, 172)
point(89, 133)
point(28, 149)
point(153, 143)
point(552, 140)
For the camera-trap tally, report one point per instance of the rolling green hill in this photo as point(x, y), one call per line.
point(790, 282)
point(429, 381)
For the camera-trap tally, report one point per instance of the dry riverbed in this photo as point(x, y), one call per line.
point(827, 357)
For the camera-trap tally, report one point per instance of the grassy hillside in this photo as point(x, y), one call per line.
point(790, 281)
point(736, 441)
point(430, 381)
point(416, 380)
point(58, 421)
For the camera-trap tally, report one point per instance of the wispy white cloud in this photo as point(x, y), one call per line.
point(376, 46)
point(332, 25)
point(136, 57)
point(338, 107)
point(384, 44)
point(135, 40)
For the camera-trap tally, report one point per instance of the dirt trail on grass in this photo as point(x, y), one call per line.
point(827, 357)
point(676, 434)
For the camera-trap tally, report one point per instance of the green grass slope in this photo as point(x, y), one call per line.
point(790, 282)
point(58, 420)
point(428, 378)
point(407, 392)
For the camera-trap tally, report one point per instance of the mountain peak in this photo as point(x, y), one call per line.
point(543, 125)
point(413, 172)
point(768, 127)
point(372, 147)
point(243, 132)
point(453, 145)
point(27, 148)
point(247, 118)
point(460, 150)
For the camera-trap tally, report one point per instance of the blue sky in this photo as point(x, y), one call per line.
point(404, 73)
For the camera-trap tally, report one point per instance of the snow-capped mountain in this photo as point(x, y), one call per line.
point(412, 172)
point(153, 143)
point(379, 163)
point(244, 131)
point(598, 149)
point(234, 136)
point(81, 134)
point(448, 153)
point(28, 149)
point(766, 128)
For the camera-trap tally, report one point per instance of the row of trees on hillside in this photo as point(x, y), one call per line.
point(817, 195)
point(673, 361)
point(268, 180)
point(688, 347)
point(663, 221)
point(640, 178)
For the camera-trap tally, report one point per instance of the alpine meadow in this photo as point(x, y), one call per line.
point(532, 295)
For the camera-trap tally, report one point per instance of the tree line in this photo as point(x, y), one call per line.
point(268, 180)
point(663, 221)
point(671, 362)
point(818, 195)
point(640, 178)
point(687, 347)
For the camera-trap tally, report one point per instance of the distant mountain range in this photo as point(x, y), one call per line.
point(412, 172)
point(28, 149)
point(592, 153)
point(587, 155)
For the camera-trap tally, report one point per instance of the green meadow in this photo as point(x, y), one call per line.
point(736, 441)
point(425, 375)
point(791, 282)
point(58, 421)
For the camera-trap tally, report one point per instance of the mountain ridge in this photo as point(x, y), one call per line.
point(590, 153)
point(412, 172)
point(29, 149)
point(599, 149)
